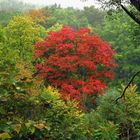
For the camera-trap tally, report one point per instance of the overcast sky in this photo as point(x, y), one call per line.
point(64, 3)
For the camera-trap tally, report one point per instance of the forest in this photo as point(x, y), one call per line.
point(70, 74)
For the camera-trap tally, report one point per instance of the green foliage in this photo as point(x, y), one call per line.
point(109, 109)
point(41, 33)
point(29, 111)
point(101, 123)
point(54, 28)
point(7, 66)
point(73, 17)
point(1, 34)
point(24, 116)
point(98, 128)
point(113, 120)
point(16, 45)
point(5, 17)
point(132, 112)
point(21, 34)
point(66, 17)
point(123, 35)
point(95, 16)
point(44, 116)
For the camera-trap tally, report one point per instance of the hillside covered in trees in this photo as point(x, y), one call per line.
point(65, 73)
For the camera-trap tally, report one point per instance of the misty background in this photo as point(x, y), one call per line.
point(64, 3)
point(79, 4)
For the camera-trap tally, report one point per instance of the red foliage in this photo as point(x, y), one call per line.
point(77, 63)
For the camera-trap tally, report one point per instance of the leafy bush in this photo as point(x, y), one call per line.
point(115, 120)
point(96, 127)
point(44, 116)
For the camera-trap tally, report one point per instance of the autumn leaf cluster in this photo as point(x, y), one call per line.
point(76, 62)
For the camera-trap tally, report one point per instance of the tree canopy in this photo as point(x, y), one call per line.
point(134, 13)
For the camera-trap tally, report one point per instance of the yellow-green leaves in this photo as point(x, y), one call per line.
point(17, 128)
point(54, 28)
point(4, 136)
point(22, 32)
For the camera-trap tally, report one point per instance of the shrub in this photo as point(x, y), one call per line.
point(96, 127)
point(115, 120)
point(44, 116)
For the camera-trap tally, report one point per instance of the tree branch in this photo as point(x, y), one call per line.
point(123, 94)
point(131, 15)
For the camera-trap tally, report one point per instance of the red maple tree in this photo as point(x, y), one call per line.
point(76, 62)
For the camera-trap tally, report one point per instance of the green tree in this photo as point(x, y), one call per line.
point(94, 15)
point(21, 34)
point(123, 35)
point(133, 13)
point(65, 16)
point(114, 120)
point(5, 17)
point(7, 66)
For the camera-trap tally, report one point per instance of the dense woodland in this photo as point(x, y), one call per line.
point(65, 73)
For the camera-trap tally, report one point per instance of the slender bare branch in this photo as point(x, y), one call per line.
point(123, 94)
